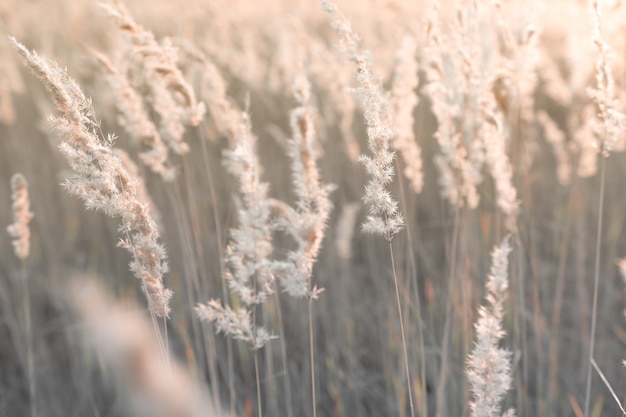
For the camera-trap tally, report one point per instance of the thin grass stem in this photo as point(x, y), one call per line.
point(596, 279)
point(404, 348)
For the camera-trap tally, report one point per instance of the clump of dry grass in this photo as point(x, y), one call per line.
point(19, 230)
point(100, 179)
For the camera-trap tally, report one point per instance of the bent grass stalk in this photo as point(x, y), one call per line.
point(20, 232)
point(102, 182)
point(610, 124)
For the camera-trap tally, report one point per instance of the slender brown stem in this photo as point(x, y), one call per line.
point(558, 300)
point(441, 387)
point(312, 357)
point(283, 354)
point(406, 356)
point(422, 397)
point(30, 354)
point(220, 249)
point(596, 279)
point(258, 383)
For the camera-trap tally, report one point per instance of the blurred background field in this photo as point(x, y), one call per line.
point(536, 58)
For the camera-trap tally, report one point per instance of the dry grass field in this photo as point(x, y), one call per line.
point(312, 208)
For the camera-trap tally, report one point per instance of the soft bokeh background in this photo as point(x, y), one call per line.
point(358, 345)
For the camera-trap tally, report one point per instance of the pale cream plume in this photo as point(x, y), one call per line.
point(100, 179)
point(19, 230)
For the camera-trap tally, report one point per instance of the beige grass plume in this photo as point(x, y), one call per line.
point(22, 215)
point(307, 222)
point(384, 217)
point(142, 191)
point(100, 179)
point(458, 163)
point(488, 365)
point(171, 97)
point(134, 118)
point(611, 121)
point(249, 273)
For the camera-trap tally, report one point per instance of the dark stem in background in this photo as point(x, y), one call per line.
point(220, 249)
point(441, 387)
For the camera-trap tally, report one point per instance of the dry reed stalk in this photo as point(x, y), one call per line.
point(452, 66)
point(458, 176)
point(383, 217)
point(213, 88)
point(518, 68)
point(610, 122)
point(171, 97)
point(100, 179)
point(488, 365)
point(249, 272)
point(213, 92)
point(19, 230)
point(482, 74)
point(307, 222)
point(609, 126)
